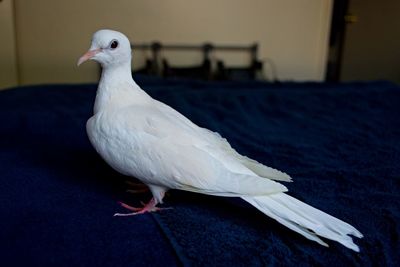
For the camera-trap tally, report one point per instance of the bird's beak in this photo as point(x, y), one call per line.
point(88, 55)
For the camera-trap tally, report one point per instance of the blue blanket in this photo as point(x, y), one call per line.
point(340, 143)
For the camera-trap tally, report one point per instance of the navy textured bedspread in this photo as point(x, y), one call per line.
point(340, 143)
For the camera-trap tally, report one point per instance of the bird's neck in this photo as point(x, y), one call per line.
point(117, 88)
point(115, 74)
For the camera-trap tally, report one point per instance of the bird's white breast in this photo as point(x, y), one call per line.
point(120, 145)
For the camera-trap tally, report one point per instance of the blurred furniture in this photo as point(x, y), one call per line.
point(240, 73)
point(161, 66)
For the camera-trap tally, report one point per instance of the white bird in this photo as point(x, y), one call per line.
point(146, 139)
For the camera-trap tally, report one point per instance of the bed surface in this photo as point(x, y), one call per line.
point(340, 143)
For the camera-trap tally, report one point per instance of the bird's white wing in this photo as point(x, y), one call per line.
point(218, 144)
point(180, 158)
point(195, 169)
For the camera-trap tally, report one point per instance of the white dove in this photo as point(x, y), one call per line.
point(146, 139)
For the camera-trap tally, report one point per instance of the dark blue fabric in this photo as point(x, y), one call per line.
point(340, 143)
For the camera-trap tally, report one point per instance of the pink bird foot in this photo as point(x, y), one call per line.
point(149, 207)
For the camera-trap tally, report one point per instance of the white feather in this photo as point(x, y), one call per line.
point(304, 219)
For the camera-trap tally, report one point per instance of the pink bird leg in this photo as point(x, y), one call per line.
point(149, 207)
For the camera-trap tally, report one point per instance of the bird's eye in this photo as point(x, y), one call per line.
point(114, 44)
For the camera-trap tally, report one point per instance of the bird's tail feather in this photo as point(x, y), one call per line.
point(305, 219)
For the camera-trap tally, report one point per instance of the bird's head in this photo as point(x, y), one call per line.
point(109, 48)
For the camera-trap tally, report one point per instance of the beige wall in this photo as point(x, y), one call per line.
point(8, 66)
point(52, 34)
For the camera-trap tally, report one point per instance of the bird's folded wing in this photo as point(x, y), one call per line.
point(194, 169)
point(216, 141)
point(182, 157)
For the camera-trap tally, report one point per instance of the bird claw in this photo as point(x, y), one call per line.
point(149, 207)
point(126, 206)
